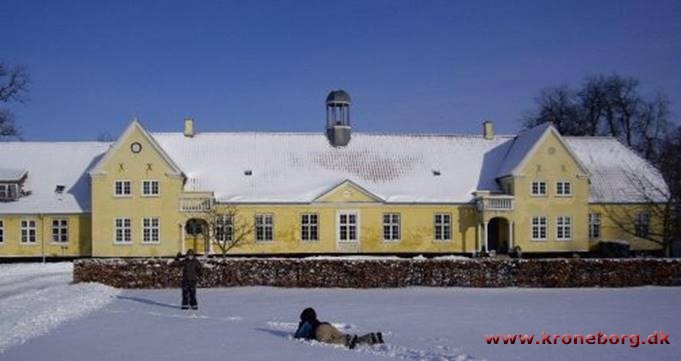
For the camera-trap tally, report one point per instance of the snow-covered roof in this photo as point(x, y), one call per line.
point(12, 174)
point(617, 173)
point(298, 167)
point(50, 164)
point(261, 167)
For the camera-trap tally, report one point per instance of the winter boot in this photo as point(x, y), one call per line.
point(353, 342)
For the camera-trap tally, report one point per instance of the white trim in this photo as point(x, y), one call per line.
point(151, 227)
point(316, 225)
point(28, 229)
point(546, 229)
point(135, 124)
point(363, 190)
point(391, 224)
point(549, 129)
point(150, 195)
point(539, 183)
point(122, 243)
point(564, 226)
point(563, 195)
point(122, 195)
point(255, 235)
point(451, 228)
point(356, 213)
point(52, 228)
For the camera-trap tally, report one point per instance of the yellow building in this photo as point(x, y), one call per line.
point(338, 192)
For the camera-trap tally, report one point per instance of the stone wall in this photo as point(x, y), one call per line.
point(377, 273)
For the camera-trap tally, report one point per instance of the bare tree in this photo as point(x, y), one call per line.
point(651, 216)
point(559, 106)
point(227, 228)
point(14, 84)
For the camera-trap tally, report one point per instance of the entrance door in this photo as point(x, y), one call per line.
point(498, 238)
point(196, 236)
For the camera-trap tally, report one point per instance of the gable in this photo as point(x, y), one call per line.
point(121, 155)
point(541, 144)
point(551, 154)
point(348, 191)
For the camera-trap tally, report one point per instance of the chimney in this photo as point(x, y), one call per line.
point(189, 127)
point(488, 129)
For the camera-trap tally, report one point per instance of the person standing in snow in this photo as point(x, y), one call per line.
point(310, 328)
point(191, 271)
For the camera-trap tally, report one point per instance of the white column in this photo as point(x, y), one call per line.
point(478, 246)
point(510, 235)
point(182, 239)
point(486, 237)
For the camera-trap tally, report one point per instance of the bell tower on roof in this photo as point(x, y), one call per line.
point(338, 126)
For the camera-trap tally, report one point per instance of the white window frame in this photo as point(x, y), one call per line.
point(152, 230)
point(224, 231)
point(594, 225)
point(539, 223)
point(28, 229)
point(563, 228)
point(60, 231)
point(148, 185)
point(444, 227)
point(306, 227)
point(539, 185)
point(2, 231)
point(563, 189)
point(123, 194)
point(265, 226)
point(125, 230)
point(393, 227)
point(339, 226)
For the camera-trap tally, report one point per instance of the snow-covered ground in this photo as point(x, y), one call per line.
point(36, 298)
point(256, 323)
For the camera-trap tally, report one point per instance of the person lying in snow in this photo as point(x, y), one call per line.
point(310, 328)
point(191, 271)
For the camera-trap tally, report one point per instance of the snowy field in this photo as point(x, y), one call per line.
point(42, 317)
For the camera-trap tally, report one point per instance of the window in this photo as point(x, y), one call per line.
point(122, 188)
point(309, 227)
point(60, 230)
point(391, 227)
point(539, 228)
point(263, 227)
point(122, 230)
point(28, 231)
point(224, 232)
point(642, 224)
point(563, 188)
point(2, 231)
point(594, 225)
point(8, 192)
point(538, 188)
point(347, 226)
point(150, 230)
point(563, 228)
point(443, 226)
point(150, 188)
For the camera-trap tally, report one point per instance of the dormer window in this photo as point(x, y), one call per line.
point(9, 191)
point(59, 189)
point(10, 183)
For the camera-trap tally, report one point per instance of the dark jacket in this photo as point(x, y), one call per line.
point(191, 268)
point(307, 327)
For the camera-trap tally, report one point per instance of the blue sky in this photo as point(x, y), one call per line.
point(410, 66)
